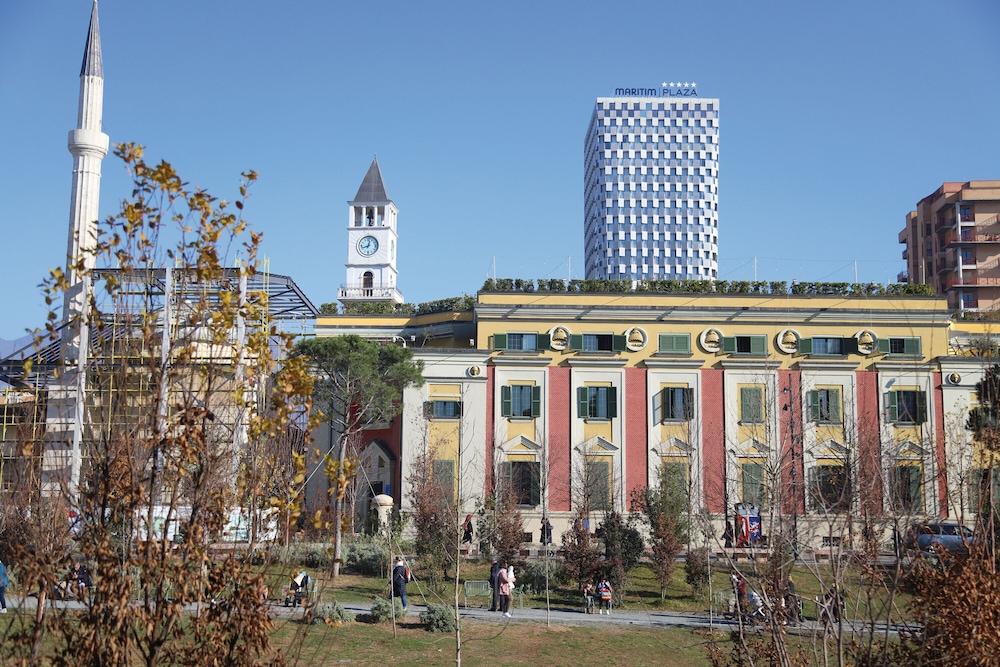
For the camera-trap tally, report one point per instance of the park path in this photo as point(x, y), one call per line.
point(560, 616)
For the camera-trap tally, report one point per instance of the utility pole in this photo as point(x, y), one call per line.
point(755, 268)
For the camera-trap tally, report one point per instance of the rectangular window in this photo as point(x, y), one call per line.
point(597, 485)
point(444, 476)
point(980, 493)
point(904, 488)
point(751, 345)
point(446, 409)
point(905, 345)
point(520, 342)
point(906, 407)
point(674, 477)
point(829, 488)
point(597, 402)
point(752, 482)
point(677, 404)
point(520, 401)
point(833, 346)
point(751, 405)
point(675, 343)
point(523, 480)
point(824, 406)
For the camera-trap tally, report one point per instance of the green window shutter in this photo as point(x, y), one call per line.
point(542, 342)
point(812, 405)
point(659, 400)
point(500, 341)
point(883, 346)
point(805, 346)
point(576, 342)
point(891, 407)
point(914, 482)
point(750, 407)
point(666, 343)
point(911, 346)
point(850, 345)
point(834, 397)
point(758, 344)
point(921, 407)
point(612, 402)
point(505, 406)
point(582, 404)
point(689, 404)
point(675, 343)
point(506, 475)
point(729, 344)
point(536, 485)
point(536, 401)
point(753, 476)
point(618, 343)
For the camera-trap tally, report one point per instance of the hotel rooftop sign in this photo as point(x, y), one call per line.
point(666, 89)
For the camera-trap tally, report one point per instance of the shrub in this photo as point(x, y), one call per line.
point(329, 613)
point(368, 557)
point(438, 618)
point(532, 575)
point(381, 612)
point(696, 571)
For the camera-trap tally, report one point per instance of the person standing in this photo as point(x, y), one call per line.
point(494, 586)
point(400, 577)
point(4, 583)
point(467, 530)
point(604, 594)
point(546, 531)
point(504, 577)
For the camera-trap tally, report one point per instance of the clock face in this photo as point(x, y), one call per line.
point(368, 245)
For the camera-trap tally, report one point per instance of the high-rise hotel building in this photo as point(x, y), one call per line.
point(651, 188)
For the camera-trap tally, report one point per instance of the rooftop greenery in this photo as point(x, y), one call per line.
point(455, 303)
point(748, 287)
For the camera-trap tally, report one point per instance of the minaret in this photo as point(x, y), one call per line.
point(371, 243)
point(88, 145)
point(65, 405)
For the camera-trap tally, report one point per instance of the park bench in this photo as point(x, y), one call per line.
point(477, 588)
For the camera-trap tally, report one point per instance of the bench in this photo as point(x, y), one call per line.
point(477, 588)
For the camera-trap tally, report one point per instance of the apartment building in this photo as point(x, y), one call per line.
point(952, 243)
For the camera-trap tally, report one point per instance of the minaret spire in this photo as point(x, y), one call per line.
point(88, 145)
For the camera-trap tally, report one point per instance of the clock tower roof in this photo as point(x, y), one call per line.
point(372, 190)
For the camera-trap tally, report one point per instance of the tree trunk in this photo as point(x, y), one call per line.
point(338, 510)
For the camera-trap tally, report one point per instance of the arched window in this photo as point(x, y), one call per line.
point(367, 280)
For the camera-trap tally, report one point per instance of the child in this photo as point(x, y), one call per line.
point(604, 592)
point(588, 598)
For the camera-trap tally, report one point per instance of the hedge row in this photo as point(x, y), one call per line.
point(754, 287)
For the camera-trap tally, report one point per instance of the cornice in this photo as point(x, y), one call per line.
point(520, 360)
point(750, 364)
point(829, 364)
point(667, 362)
point(601, 362)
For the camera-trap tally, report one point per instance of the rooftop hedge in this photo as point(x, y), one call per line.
point(746, 287)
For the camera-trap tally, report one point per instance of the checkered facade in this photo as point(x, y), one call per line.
point(651, 189)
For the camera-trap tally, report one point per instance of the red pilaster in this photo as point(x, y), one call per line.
point(558, 416)
point(491, 377)
point(790, 446)
point(713, 434)
point(636, 433)
point(869, 443)
point(940, 464)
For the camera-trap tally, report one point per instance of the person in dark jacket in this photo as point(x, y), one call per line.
point(4, 583)
point(494, 586)
point(400, 577)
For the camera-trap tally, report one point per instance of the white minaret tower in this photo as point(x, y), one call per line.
point(62, 461)
point(88, 145)
point(371, 243)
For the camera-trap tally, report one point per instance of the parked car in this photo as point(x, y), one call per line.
point(952, 537)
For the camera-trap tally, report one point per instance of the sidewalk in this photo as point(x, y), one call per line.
point(561, 616)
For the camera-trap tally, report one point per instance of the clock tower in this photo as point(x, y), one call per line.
point(371, 243)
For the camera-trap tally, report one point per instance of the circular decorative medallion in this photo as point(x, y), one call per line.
point(787, 341)
point(710, 340)
point(635, 339)
point(867, 341)
point(559, 338)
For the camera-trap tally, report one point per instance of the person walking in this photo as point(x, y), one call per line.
point(467, 530)
point(4, 583)
point(588, 598)
point(494, 586)
point(505, 578)
point(400, 577)
point(605, 592)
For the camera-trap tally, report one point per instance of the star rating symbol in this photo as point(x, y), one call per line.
point(678, 84)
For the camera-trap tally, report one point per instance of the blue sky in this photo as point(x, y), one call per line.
point(835, 119)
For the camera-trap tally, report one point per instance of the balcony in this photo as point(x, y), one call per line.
point(906, 254)
point(969, 236)
point(971, 279)
point(369, 293)
point(902, 235)
point(902, 277)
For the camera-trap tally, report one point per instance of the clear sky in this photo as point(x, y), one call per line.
point(835, 119)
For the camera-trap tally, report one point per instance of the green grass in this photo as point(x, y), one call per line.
point(492, 644)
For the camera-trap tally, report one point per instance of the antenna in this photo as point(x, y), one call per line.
point(755, 268)
point(494, 268)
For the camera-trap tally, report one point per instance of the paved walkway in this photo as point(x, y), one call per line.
point(560, 615)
